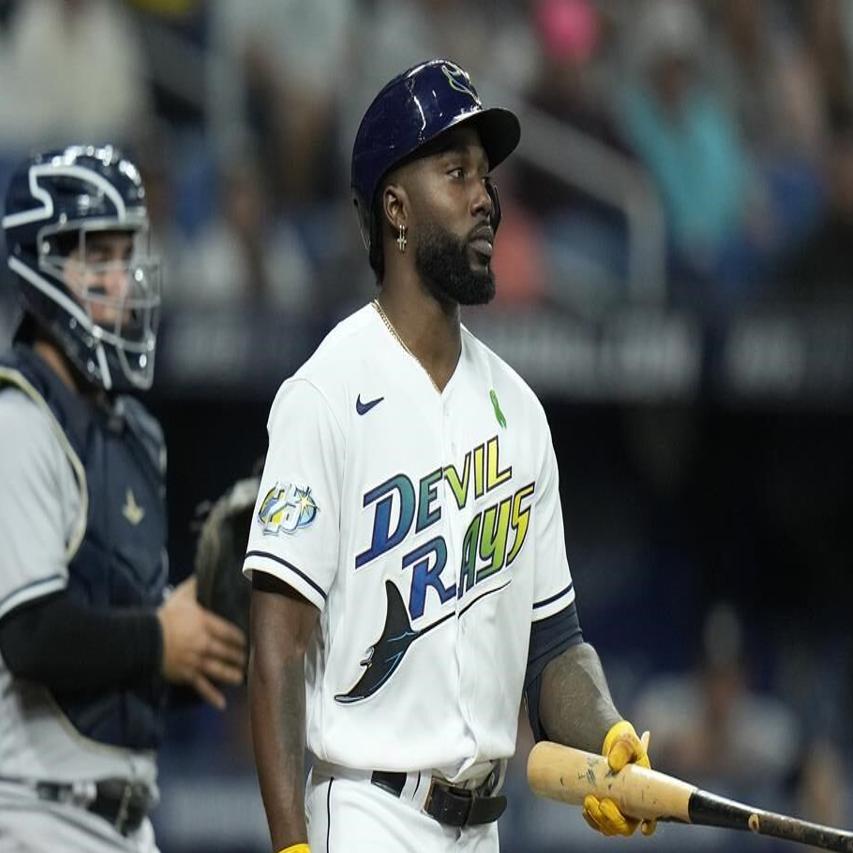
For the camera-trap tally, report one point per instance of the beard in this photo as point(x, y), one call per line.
point(444, 264)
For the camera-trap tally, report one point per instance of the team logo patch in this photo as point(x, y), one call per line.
point(287, 507)
point(459, 81)
point(131, 510)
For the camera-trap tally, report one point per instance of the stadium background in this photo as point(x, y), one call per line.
point(674, 274)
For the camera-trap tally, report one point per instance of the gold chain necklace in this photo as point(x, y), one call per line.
point(390, 326)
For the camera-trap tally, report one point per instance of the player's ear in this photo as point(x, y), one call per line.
point(395, 206)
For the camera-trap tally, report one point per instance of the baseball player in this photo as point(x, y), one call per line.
point(87, 642)
point(409, 571)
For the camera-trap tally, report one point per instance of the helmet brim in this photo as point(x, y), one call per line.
point(500, 133)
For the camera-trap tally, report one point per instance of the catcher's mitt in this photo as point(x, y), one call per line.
point(219, 554)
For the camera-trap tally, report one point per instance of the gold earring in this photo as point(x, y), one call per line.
point(401, 240)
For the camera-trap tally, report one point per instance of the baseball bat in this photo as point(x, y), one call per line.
point(568, 775)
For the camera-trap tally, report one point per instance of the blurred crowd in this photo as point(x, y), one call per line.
point(736, 117)
point(716, 135)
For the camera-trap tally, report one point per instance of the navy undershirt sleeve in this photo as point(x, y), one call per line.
point(68, 646)
point(548, 638)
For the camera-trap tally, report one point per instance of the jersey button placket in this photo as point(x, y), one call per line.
point(454, 536)
point(449, 525)
point(448, 504)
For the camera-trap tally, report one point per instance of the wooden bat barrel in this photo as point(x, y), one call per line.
point(568, 775)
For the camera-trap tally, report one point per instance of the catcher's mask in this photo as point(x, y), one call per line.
point(77, 236)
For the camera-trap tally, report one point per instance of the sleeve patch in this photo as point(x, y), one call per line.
point(286, 508)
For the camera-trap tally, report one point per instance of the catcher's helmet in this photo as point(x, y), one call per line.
point(55, 202)
point(410, 111)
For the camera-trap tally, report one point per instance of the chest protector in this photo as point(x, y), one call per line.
point(118, 457)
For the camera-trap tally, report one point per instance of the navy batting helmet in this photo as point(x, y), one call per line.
point(55, 203)
point(410, 111)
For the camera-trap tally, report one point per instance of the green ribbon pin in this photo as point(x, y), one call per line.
point(499, 415)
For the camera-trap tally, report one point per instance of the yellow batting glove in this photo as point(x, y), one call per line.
point(296, 848)
point(621, 746)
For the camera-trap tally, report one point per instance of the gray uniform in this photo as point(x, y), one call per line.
point(42, 519)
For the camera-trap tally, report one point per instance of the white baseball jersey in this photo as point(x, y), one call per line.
point(427, 529)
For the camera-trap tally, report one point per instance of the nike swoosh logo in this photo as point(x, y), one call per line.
point(364, 408)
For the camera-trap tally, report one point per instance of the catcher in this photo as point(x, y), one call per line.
point(88, 640)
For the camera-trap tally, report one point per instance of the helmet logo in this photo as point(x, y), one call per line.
point(459, 81)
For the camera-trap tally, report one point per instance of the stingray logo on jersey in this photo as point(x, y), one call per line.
point(494, 538)
point(287, 507)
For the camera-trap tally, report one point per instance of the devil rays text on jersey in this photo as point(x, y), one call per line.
point(486, 549)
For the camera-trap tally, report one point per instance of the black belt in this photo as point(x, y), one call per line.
point(121, 803)
point(447, 804)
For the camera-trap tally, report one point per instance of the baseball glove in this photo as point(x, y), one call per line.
point(219, 554)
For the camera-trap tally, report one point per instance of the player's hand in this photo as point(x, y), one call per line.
point(621, 747)
point(199, 647)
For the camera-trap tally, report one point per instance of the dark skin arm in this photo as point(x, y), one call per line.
point(575, 707)
point(282, 623)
